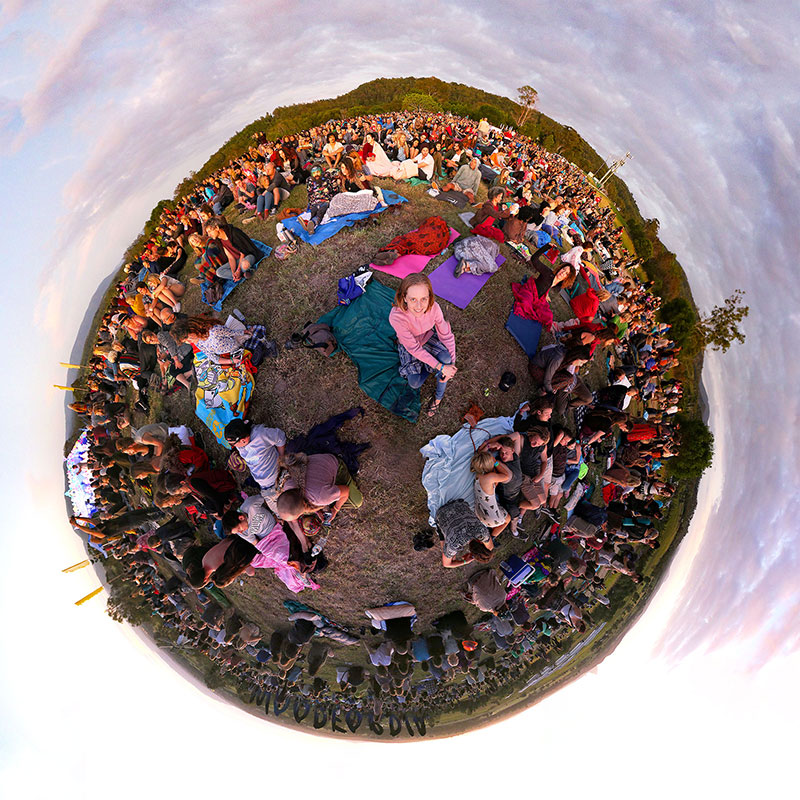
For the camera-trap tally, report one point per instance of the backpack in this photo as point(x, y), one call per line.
point(317, 336)
point(353, 286)
point(348, 290)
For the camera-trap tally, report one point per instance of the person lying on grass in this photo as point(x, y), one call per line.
point(217, 342)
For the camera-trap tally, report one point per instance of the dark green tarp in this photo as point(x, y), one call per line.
point(363, 331)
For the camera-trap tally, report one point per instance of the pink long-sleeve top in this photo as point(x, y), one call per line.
point(413, 331)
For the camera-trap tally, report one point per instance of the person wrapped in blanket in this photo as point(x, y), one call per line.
point(429, 239)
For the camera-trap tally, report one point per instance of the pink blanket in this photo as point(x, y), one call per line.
point(274, 549)
point(405, 265)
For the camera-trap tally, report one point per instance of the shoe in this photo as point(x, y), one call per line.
point(461, 268)
point(248, 220)
point(433, 406)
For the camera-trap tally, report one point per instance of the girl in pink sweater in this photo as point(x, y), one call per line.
point(426, 344)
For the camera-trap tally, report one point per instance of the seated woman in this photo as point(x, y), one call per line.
point(489, 213)
point(425, 341)
point(464, 537)
point(178, 366)
point(219, 344)
point(489, 472)
point(210, 262)
point(376, 162)
point(555, 369)
point(351, 179)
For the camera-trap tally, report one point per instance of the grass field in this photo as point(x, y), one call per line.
point(372, 560)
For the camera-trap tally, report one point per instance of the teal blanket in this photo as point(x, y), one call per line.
point(363, 331)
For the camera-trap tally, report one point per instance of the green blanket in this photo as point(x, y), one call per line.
point(363, 331)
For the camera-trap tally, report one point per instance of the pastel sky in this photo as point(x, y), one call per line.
point(106, 106)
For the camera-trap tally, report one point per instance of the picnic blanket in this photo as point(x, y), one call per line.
point(230, 285)
point(525, 331)
point(323, 232)
point(273, 553)
point(446, 475)
point(406, 265)
point(363, 331)
point(223, 394)
point(458, 291)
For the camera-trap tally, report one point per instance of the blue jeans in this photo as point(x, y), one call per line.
point(440, 353)
point(570, 476)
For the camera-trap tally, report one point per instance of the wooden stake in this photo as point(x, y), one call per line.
point(89, 596)
point(79, 565)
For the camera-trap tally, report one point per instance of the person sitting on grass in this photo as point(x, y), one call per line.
point(506, 449)
point(464, 537)
point(218, 343)
point(425, 341)
point(262, 449)
point(489, 473)
point(490, 212)
point(178, 367)
point(321, 189)
point(238, 247)
point(467, 180)
point(322, 485)
point(333, 151)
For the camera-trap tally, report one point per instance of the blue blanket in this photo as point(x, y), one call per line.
point(230, 285)
point(332, 227)
point(525, 331)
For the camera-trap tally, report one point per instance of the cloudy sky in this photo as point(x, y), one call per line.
point(105, 106)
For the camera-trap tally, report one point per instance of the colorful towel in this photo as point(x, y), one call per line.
point(406, 265)
point(323, 232)
point(230, 285)
point(363, 331)
point(223, 394)
point(458, 291)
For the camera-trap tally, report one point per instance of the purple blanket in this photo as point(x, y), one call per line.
point(458, 291)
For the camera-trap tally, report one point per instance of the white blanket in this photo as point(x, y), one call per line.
point(446, 475)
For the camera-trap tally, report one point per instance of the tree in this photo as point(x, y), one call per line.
point(696, 448)
point(527, 99)
point(679, 314)
point(720, 329)
point(548, 142)
point(417, 102)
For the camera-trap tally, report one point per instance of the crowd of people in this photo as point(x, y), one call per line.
point(578, 479)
